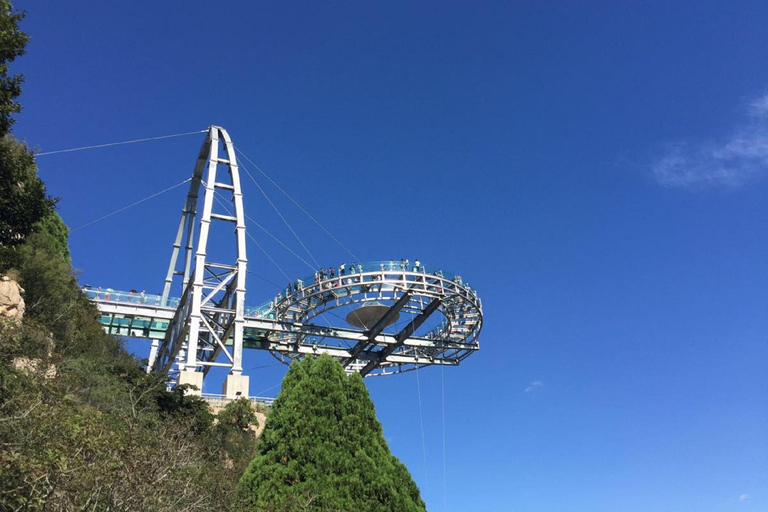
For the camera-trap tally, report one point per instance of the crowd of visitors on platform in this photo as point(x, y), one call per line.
point(323, 279)
point(132, 296)
point(346, 273)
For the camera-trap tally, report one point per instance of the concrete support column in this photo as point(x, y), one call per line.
point(235, 386)
point(193, 378)
point(153, 355)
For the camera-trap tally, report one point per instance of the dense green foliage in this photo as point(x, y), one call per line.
point(23, 202)
point(83, 426)
point(12, 44)
point(323, 449)
point(56, 232)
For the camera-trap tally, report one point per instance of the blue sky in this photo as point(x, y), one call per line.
point(596, 170)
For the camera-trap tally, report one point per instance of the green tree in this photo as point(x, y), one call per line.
point(323, 449)
point(52, 227)
point(238, 415)
point(12, 44)
point(23, 201)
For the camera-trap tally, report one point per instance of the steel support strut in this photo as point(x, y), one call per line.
point(402, 336)
point(209, 318)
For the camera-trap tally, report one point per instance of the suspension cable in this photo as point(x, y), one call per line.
point(131, 205)
point(442, 396)
point(271, 259)
point(226, 209)
point(264, 279)
point(281, 243)
point(296, 203)
point(265, 231)
point(268, 389)
point(280, 215)
point(421, 419)
point(118, 143)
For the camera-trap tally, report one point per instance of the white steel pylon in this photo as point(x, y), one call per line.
point(209, 318)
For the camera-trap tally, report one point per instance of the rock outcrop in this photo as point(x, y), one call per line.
point(11, 301)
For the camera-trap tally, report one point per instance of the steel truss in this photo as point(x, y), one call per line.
point(382, 349)
point(209, 318)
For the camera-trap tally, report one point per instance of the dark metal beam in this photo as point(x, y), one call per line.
point(416, 322)
point(376, 329)
point(402, 336)
point(395, 309)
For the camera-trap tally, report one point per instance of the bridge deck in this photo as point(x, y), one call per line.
point(284, 324)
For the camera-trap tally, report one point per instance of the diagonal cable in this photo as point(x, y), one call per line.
point(271, 259)
point(279, 242)
point(445, 472)
point(56, 152)
point(264, 279)
point(280, 214)
point(296, 203)
point(131, 205)
point(221, 203)
point(421, 418)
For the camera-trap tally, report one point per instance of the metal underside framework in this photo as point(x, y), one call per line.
point(422, 316)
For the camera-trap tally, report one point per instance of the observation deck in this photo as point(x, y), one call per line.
point(377, 318)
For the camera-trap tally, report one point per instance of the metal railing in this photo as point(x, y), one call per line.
point(255, 399)
point(267, 310)
point(128, 297)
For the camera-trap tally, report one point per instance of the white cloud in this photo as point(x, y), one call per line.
point(534, 386)
point(759, 106)
point(743, 497)
point(730, 163)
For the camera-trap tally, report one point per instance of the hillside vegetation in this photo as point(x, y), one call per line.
point(82, 426)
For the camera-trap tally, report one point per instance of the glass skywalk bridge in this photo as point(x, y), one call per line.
point(377, 318)
point(140, 315)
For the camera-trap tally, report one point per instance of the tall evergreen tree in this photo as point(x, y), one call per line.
point(23, 202)
point(13, 43)
point(323, 449)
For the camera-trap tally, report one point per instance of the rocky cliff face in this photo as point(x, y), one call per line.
point(12, 308)
point(11, 301)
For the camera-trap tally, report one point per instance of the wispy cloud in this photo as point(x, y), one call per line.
point(729, 163)
point(534, 386)
point(744, 497)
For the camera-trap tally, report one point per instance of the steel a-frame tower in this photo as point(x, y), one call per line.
point(208, 321)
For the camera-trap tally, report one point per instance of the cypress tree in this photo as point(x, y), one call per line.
point(323, 449)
